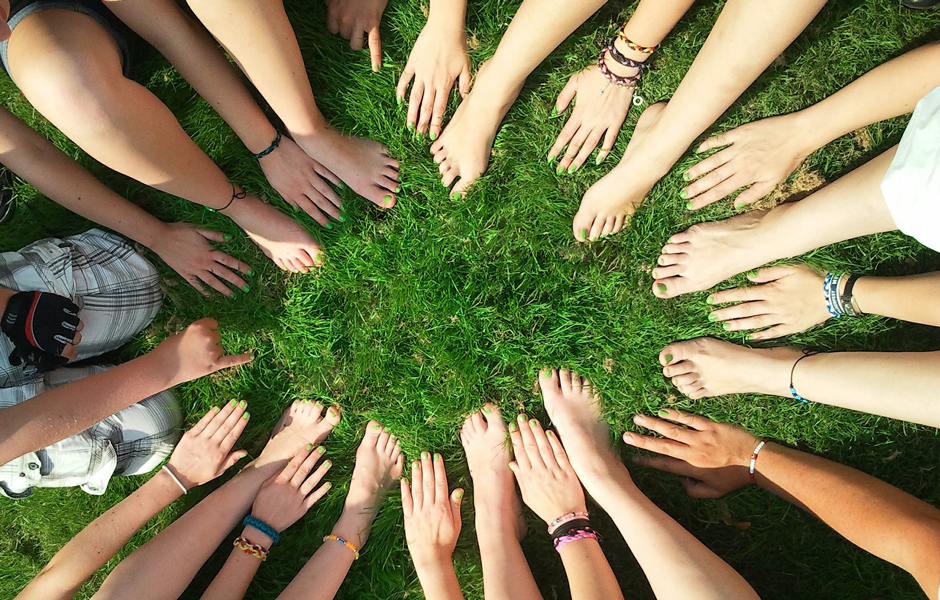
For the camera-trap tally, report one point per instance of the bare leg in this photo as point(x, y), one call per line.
point(69, 68)
point(378, 464)
point(158, 569)
point(463, 150)
point(899, 385)
point(708, 253)
point(746, 38)
point(677, 565)
point(506, 574)
point(259, 36)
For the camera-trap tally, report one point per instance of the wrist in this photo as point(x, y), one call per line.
point(256, 537)
point(168, 488)
point(431, 560)
point(154, 235)
point(810, 127)
point(449, 21)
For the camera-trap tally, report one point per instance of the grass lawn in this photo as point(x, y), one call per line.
point(422, 313)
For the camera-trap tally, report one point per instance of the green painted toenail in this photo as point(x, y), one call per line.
point(512, 426)
point(661, 287)
point(685, 177)
point(376, 426)
point(689, 205)
point(684, 194)
point(455, 196)
point(399, 99)
point(387, 199)
point(487, 410)
point(712, 317)
point(533, 423)
point(458, 494)
point(246, 288)
point(549, 433)
point(554, 110)
point(550, 158)
point(583, 233)
point(669, 358)
point(397, 189)
point(411, 127)
point(710, 300)
point(341, 219)
point(328, 225)
point(328, 463)
point(251, 272)
point(572, 169)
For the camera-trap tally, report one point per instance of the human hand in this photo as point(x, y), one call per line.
point(354, 19)
point(546, 479)
point(303, 182)
point(432, 517)
point(599, 111)
point(701, 442)
point(438, 58)
point(789, 301)
point(698, 482)
point(44, 328)
point(205, 451)
point(186, 249)
point(760, 154)
point(195, 352)
point(287, 496)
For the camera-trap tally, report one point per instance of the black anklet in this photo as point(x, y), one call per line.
point(235, 196)
point(806, 353)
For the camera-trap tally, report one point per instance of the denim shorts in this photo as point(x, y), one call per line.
point(20, 9)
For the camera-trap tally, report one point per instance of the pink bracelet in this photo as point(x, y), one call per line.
point(572, 516)
point(580, 534)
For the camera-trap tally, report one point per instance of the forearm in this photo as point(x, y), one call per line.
point(589, 573)
point(438, 579)
point(95, 545)
point(58, 413)
point(322, 575)
point(652, 21)
point(449, 14)
point(871, 514)
point(236, 574)
point(34, 158)
point(897, 84)
point(906, 298)
point(677, 565)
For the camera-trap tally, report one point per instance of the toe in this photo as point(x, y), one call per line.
point(373, 430)
point(582, 225)
point(449, 174)
point(564, 378)
point(477, 422)
point(596, 229)
point(464, 183)
point(680, 368)
point(676, 353)
point(608, 226)
point(666, 260)
point(548, 381)
point(333, 415)
point(667, 272)
point(382, 442)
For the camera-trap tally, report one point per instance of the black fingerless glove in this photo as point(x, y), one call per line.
point(40, 325)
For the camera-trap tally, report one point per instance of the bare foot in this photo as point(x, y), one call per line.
point(463, 150)
point(281, 238)
point(485, 440)
point(706, 367)
point(302, 423)
point(706, 254)
point(363, 164)
point(378, 464)
point(573, 408)
point(609, 203)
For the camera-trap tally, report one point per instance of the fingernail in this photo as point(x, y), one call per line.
point(549, 433)
point(661, 287)
point(684, 194)
point(328, 225)
point(600, 158)
point(572, 169)
point(512, 467)
point(712, 317)
point(628, 438)
point(752, 273)
point(639, 419)
point(512, 426)
point(689, 205)
point(438, 456)
point(227, 237)
point(246, 288)
point(522, 418)
point(321, 449)
point(425, 455)
point(309, 447)
point(663, 412)
point(583, 233)
point(669, 358)
point(387, 198)
point(411, 127)
point(233, 402)
point(433, 136)
point(738, 204)
point(251, 272)
point(710, 300)
point(393, 436)
point(398, 99)
point(458, 494)
point(242, 404)
point(559, 169)
point(455, 196)
point(749, 337)
point(247, 415)
point(327, 486)
point(216, 409)
point(550, 158)
point(726, 326)
point(533, 423)
point(685, 177)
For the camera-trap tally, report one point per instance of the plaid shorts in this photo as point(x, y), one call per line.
point(116, 289)
point(130, 442)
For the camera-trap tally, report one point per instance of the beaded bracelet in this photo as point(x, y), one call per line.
point(616, 79)
point(269, 149)
point(806, 353)
point(566, 518)
point(757, 450)
point(349, 545)
point(259, 552)
point(620, 58)
point(575, 535)
point(636, 47)
point(263, 527)
point(831, 293)
point(235, 196)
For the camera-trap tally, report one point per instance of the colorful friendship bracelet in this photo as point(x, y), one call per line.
point(566, 518)
point(616, 79)
point(269, 149)
point(757, 450)
point(259, 552)
point(334, 538)
point(256, 523)
point(174, 478)
point(840, 305)
point(792, 370)
point(634, 46)
point(573, 536)
point(620, 58)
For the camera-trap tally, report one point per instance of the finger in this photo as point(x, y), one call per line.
point(722, 190)
point(298, 459)
point(230, 422)
point(589, 144)
point(561, 457)
point(314, 479)
point(232, 459)
point(228, 442)
point(332, 22)
point(567, 94)
point(440, 480)
point(234, 360)
point(315, 497)
point(231, 262)
point(407, 503)
point(722, 139)
point(754, 193)
point(546, 454)
point(664, 428)
point(667, 464)
point(768, 274)
point(463, 82)
point(417, 485)
point(456, 500)
point(427, 108)
point(739, 311)
point(403, 82)
point(194, 281)
point(375, 48)
point(755, 322)
point(709, 182)
point(70, 352)
point(515, 436)
point(529, 446)
point(304, 470)
point(200, 425)
point(209, 278)
point(209, 234)
point(741, 294)
point(437, 113)
point(665, 447)
point(772, 333)
point(688, 419)
point(574, 146)
point(414, 102)
point(219, 418)
point(707, 165)
point(567, 132)
point(223, 271)
point(427, 468)
point(700, 489)
point(356, 37)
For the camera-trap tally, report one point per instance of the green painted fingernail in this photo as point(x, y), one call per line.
point(438, 456)
point(458, 494)
point(752, 273)
point(710, 300)
point(399, 99)
point(233, 402)
point(684, 194)
point(328, 463)
point(227, 237)
point(309, 447)
point(251, 272)
point(533, 423)
point(549, 433)
point(455, 196)
point(572, 169)
point(584, 233)
point(600, 158)
point(321, 449)
point(712, 317)
point(559, 169)
point(738, 204)
point(216, 409)
point(685, 177)
point(425, 455)
point(328, 225)
point(246, 288)
point(512, 467)
point(242, 404)
point(663, 412)
point(689, 205)
point(433, 136)
point(512, 426)
point(669, 358)
point(327, 486)
point(411, 127)
point(726, 326)
point(661, 287)
point(247, 415)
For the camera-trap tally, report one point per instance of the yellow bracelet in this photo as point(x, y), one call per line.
point(255, 550)
point(334, 538)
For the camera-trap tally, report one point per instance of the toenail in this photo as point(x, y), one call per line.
point(246, 288)
point(583, 233)
point(726, 326)
point(752, 273)
point(554, 110)
point(399, 99)
point(309, 447)
point(327, 463)
point(738, 204)
point(667, 372)
point(663, 413)
point(458, 494)
point(433, 136)
point(227, 237)
point(661, 287)
point(512, 467)
point(251, 272)
point(684, 194)
point(669, 358)
point(686, 177)
point(411, 127)
point(415, 464)
point(522, 418)
point(710, 300)
point(712, 317)
point(387, 198)
point(425, 455)
point(487, 410)
point(393, 436)
point(512, 426)
point(600, 158)
point(660, 260)
point(376, 426)
point(549, 433)
point(397, 189)
point(455, 196)
point(328, 226)
point(341, 219)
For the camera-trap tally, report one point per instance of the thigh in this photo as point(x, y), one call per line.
point(145, 433)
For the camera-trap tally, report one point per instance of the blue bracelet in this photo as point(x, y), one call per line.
point(263, 527)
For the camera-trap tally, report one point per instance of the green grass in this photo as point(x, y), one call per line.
point(424, 312)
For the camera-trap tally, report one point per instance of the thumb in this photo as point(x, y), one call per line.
point(375, 48)
point(212, 236)
point(407, 502)
point(464, 81)
point(233, 458)
point(770, 274)
point(700, 489)
point(566, 95)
